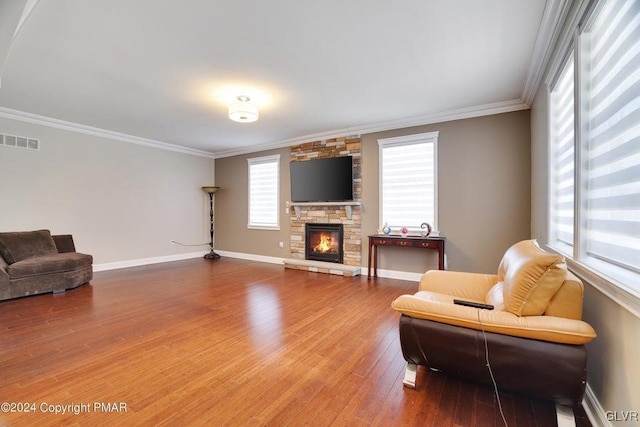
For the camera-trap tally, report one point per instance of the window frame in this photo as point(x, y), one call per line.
point(275, 158)
point(413, 139)
point(552, 239)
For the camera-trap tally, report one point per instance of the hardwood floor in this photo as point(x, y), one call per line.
point(229, 342)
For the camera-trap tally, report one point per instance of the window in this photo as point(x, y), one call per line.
point(605, 234)
point(562, 168)
point(611, 147)
point(408, 189)
point(264, 194)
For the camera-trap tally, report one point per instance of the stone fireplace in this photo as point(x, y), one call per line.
point(323, 242)
point(347, 215)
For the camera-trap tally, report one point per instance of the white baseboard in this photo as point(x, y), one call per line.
point(389, 274)
point(146, 261)
point(251, 257)
point(594, 409)
point(400, 275)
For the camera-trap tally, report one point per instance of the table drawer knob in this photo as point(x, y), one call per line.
point(425, 244)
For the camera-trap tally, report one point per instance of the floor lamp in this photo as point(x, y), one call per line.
point(210, 191)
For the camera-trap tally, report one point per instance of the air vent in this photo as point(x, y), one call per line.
point(19, 142)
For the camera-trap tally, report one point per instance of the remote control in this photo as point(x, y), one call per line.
point(473, 304)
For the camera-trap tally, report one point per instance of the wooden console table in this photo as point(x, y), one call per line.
point(375, 240)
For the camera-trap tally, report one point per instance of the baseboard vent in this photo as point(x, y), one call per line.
point(19, 142)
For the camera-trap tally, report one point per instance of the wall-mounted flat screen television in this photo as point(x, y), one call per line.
point(322, 180)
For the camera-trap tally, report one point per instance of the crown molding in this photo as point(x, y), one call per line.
point(9, 113)
point(445, 116)
point(13, 15)
point(554, 14)
point(28, 8)
point(564, 42)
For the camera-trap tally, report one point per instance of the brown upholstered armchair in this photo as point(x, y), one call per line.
point(535, 336)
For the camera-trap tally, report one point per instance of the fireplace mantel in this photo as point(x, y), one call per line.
point(347, 206)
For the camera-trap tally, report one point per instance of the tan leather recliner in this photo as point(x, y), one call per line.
point(535, 335)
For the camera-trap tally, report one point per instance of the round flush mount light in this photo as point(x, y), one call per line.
point(243, 110)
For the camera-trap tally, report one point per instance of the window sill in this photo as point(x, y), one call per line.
point(263, 227)
point(626, 298)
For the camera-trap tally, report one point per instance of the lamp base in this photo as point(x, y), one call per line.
point(212, 255)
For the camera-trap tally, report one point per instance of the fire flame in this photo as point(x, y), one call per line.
point(325, 243)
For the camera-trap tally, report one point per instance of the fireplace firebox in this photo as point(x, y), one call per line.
point(323, 242)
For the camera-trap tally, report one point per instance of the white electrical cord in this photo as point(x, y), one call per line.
point(486, 353)
point(184, 244)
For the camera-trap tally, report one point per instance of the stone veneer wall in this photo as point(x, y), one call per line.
point(334, 147)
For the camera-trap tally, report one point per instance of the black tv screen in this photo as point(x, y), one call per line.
point(322, 180)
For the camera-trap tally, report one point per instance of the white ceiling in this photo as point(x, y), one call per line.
point(166, 70)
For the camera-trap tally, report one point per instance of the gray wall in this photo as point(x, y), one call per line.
point(613, 370)
point(120, 201)
point(483, 192)
point(484, 195)
point(232, 208)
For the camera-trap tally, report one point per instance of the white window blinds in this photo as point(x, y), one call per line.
point(611, 175)
point(264, 184)
point(408, 180)
point(562, 168)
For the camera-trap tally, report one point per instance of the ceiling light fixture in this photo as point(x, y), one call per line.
point(243, 110)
